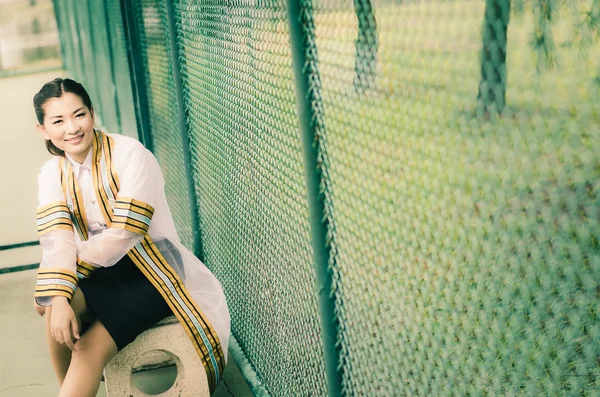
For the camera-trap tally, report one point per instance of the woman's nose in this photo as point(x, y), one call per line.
point(71, 128)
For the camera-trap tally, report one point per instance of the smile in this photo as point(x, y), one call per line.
point(75, 139)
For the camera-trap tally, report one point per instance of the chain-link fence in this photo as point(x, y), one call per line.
point(456, 164)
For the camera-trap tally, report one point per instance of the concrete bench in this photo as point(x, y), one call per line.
point(167, 336)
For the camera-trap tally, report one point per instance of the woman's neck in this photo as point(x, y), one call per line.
point(81, 156)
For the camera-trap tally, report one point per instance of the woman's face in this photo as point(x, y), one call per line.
point(69, 124)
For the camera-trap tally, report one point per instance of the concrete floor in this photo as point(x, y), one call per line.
point(25, 367)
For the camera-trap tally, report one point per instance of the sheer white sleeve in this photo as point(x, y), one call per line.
point(57, 275)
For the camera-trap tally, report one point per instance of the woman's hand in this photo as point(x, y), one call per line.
point(41, 310)
point(63, 324)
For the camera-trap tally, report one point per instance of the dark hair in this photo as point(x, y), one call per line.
point(55, 89)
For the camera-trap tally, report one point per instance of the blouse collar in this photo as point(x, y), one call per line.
point(87, 163)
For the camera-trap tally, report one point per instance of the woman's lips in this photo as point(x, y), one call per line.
point(76, 139)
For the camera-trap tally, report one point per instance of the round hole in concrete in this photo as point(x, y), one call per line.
point(154, 372)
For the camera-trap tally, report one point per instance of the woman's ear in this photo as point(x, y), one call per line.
point(40, 128)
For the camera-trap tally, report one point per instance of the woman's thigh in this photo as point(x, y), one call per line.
point(80, 307)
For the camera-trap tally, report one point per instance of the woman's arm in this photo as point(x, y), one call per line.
point(57, 273)
point(57, 276)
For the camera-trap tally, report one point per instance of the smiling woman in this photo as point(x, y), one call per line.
point(112, 263)
point(65, 118)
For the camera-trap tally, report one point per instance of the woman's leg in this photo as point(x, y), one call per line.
point(61, 354)
point(92, 352)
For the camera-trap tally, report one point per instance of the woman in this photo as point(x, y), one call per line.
point(112, 263)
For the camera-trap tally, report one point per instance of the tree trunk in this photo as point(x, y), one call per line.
point(492, 88)
point(367, 45)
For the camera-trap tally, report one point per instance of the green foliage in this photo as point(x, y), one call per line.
point(587, 26)
point(542, 40)
point(518, 7)
point(585, 29)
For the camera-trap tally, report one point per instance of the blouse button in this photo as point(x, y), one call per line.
point(93, 201)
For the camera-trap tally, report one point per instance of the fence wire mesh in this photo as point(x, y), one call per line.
point(460, 181)
point(248, 172)
point(463, 184)
point(162, 103)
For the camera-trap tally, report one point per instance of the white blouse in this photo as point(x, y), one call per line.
point(141, 178)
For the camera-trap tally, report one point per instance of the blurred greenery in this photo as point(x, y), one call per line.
point(23, 11)
point(21, 24)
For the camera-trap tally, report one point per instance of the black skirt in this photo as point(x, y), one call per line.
point(123, 300)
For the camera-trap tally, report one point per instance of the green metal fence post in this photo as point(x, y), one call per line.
point(138, 76)
point(187, 160)
point(90, 26)
point(299, 18)
point(112, 69)
point(78, 56)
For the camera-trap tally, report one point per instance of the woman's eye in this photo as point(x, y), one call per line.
point(80, 115)
point(57, 121)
